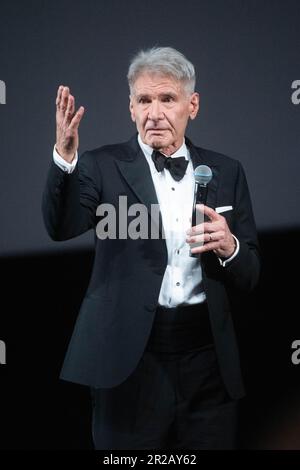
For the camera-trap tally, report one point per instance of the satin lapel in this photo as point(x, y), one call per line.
point(137, 173)
point(200, 158)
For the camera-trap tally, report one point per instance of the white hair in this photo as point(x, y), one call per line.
point(162, 61)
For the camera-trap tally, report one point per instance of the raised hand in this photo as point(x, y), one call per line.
point(67, 123)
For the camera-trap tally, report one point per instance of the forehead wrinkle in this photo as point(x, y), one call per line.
point(148, 88)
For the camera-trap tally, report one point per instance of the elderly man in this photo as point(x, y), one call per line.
point(154, 339)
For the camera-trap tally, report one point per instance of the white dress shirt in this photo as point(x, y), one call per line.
point(182, 282)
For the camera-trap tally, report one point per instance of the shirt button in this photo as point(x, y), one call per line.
point(173, 189)
point(177, 283)
point(177, 219)
point(177, 252)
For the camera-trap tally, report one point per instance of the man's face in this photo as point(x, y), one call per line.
point(161, 108)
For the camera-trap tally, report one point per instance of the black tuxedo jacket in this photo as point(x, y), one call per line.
point(117, 311)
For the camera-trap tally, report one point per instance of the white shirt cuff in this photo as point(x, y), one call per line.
point(62, 164)
point(226, 261)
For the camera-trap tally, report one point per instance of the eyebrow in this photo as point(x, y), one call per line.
point(161, 95)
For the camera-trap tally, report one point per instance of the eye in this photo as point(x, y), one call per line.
point(143, 100)
point(167, 99)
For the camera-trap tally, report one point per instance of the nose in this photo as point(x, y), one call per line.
point(155, 112)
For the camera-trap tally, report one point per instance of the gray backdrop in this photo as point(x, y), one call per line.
point(246, 54)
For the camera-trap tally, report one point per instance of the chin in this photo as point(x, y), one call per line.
point(157, 142)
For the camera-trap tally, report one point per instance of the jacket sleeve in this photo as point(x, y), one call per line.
point(69, 201)
point(243, 271)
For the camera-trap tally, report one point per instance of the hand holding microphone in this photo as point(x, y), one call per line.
point(203, 176)
point(209, 229)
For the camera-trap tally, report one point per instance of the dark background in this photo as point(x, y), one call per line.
point(246, 55)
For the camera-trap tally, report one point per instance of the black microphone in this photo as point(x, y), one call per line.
point(203, 176)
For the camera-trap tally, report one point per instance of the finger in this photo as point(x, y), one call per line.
point(73, 106)
point(206, 237)
point(211, 213)
point(206, 247)
point(196, 238)
point(70, 110)
point(64, 98)
point(195, 229)
point(204, 227)
point(76, 119)
point(58, 96)
point(214, 236)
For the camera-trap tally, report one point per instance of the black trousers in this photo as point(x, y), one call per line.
point(175, 398)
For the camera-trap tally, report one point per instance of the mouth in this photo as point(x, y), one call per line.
point(156, 131)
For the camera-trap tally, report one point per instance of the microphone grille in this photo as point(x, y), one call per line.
point(203, 174)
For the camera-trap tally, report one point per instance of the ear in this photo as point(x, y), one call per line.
point(131, 108)
point(194, 105)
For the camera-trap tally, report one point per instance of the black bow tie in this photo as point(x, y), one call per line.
point(176, 166)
